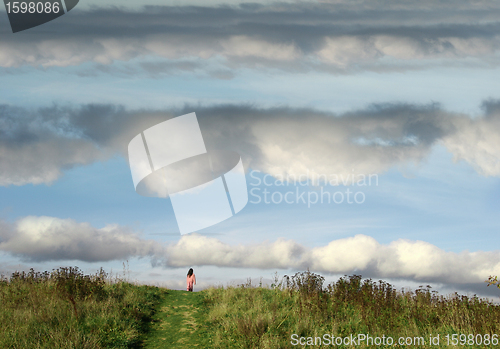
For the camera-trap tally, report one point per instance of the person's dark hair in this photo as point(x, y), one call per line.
point(190, 272)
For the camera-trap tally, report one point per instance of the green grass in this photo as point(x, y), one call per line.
point(180, 322)
point(66, 309)
point(256, 317)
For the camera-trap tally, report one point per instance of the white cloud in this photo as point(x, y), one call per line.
point(52, 239)
point(293, 146)
point(55, 239)
point(361, 254)
point(244, 46)
point(344, 51)
point(477, 142)
point(200, 250)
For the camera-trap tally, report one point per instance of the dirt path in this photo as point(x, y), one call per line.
point(180, 322)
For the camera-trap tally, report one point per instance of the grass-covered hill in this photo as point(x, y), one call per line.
point(67, 309)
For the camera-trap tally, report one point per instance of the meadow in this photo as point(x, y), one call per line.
point(256, 317)
point(67, 309)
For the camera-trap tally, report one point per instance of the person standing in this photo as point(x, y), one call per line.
point(191, 280)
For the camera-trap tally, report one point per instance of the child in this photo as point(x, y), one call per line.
point(191, 280)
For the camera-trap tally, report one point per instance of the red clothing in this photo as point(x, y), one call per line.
point(191, 280)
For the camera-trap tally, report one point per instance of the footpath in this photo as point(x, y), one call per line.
point(180, 322)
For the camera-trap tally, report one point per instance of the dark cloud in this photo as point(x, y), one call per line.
point(36, 146)
point(479, 288)
point(340, 36)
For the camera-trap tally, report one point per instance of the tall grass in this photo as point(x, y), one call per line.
point(67, 309)
point(257, 317)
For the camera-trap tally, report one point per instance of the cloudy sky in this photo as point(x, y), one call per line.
point(402, 94)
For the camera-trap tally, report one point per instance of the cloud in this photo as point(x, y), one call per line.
point(36, 146)
point(201, 250)
point(335, 36)
point(412, 260)
point(34, 151)
point(477, 141)
point(54, 239)
point(292, 142)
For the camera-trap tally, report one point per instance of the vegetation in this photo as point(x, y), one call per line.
point(180, 322)
point(256, 317)
point(493, 280)
point(67, 309)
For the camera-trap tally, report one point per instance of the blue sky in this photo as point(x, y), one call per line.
point(326, 87)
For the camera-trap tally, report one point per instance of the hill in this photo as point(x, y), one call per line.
point(66, 309)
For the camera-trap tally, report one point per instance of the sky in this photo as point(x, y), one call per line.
point(401, 94)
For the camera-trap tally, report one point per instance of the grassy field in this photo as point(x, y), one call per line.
point(253, 317)
point(66, 309)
